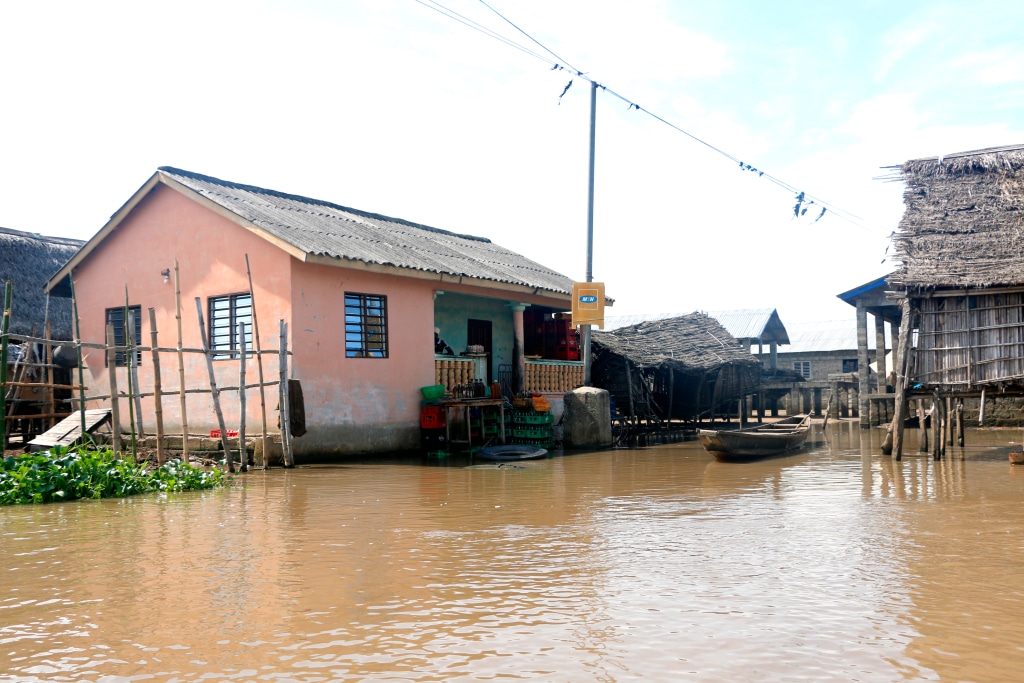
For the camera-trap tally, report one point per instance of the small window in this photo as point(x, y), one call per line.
point(225, 314)
point(849, 365)
point(803, 367)
point(366, 326)
point(115, 317)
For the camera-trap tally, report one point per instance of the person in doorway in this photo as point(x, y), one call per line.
point(440, 345)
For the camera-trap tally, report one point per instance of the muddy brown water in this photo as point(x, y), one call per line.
point(655, 563)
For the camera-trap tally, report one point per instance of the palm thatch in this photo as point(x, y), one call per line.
point(28, 260)
point(963, 223)
point(681, 367)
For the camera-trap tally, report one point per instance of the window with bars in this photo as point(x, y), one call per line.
point(226, 312)
point(803, 367)
point(115, 317)
point(366, 326)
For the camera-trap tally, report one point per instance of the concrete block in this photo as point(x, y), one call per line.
point(587, 418)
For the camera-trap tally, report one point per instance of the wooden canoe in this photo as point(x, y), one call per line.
point(761, 441)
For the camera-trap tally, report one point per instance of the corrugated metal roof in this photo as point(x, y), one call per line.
point(829, 335)
point(320, 228)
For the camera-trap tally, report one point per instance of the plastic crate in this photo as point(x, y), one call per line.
point(432, 417)
point(533, 418)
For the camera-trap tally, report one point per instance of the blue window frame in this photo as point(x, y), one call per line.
point(366, 325)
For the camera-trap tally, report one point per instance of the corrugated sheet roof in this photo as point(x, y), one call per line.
point(828, 335)
point(320, 228)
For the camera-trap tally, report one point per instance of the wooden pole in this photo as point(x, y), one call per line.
point(5, 327)
point(901, 366)
point(981, 411)
point(129, 366)
point(243, 453)
point(960, 422)
point(78, 348)
point(181, 366)
point(259, 363)
point(115, 403)
point(214, 391)
point(922, 426)
point(286, 435)
point(158, 407)
point(51, 406)
point(671, 394)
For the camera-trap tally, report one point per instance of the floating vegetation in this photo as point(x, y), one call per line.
point(90, 472)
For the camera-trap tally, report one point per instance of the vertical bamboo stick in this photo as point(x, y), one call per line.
point(960, 423)
point(5, 327)
point(115, 402)
point(129, 366)
point(229, 463)
point(981, 411)
point(259, 364)
point(78, 349)
point(922, 427)
point(243, 453)
point(286, 436)
point(51, 405)
point(158, 406)
point(181, 366)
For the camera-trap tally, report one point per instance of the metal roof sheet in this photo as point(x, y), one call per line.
point(320, 228)
point(828, 335)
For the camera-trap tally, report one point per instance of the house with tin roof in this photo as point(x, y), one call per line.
point(372, 307)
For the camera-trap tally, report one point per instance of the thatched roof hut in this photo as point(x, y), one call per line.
point(961, 243)
point(28, 260)
point(679, 367)
point(963, 224)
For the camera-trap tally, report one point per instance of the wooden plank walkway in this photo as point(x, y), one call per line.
point(69, 430)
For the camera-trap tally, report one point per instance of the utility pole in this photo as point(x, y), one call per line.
point(590, 230)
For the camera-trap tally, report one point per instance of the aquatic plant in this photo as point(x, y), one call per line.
point(90, 472)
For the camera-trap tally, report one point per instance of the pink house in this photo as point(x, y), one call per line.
point(362, 295)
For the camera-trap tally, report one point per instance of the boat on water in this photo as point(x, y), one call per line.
point(511, 452)
point(761, 441)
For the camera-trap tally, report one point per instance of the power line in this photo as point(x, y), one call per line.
point(803, 199)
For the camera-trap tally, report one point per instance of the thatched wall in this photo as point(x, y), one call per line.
point(963, 223)
point(690, 363)
point(28, 260)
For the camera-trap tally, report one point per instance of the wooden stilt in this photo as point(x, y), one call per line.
point(214, 391)
point(78, 349)
point(901, 366)
point(243, 452)
point(936, 428)
point(981, 410)
point(5, 326)
point(115, 407)
point(286, 431)
point(960, 423)
point(922, 426)
point(259, 365)
point(158, 406)
point(181, 366)
point(51, 405)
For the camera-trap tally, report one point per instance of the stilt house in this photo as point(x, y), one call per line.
point(961, 244)
point(28, 260)
point(685, 368)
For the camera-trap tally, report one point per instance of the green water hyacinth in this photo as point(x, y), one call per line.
point(89, 472)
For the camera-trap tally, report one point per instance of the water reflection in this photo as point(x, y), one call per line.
point(834, 563)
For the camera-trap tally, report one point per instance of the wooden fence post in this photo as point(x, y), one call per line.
point(214, 391)
point(158, 407)
point(181, 367)
point(115, 407)
point(902, 367)
point(78, 349)
point(259, 362)
point(286, 417)
point(243, 453)
point(5, 327)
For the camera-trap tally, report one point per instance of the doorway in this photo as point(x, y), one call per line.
point(478, 332)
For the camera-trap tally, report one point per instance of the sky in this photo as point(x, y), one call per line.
point(389, 106)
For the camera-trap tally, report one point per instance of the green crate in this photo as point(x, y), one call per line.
point(533, 418)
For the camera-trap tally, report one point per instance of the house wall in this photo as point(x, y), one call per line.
point(823, 363)
point(352, 405)
point(211, 253)
point(358, 405)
